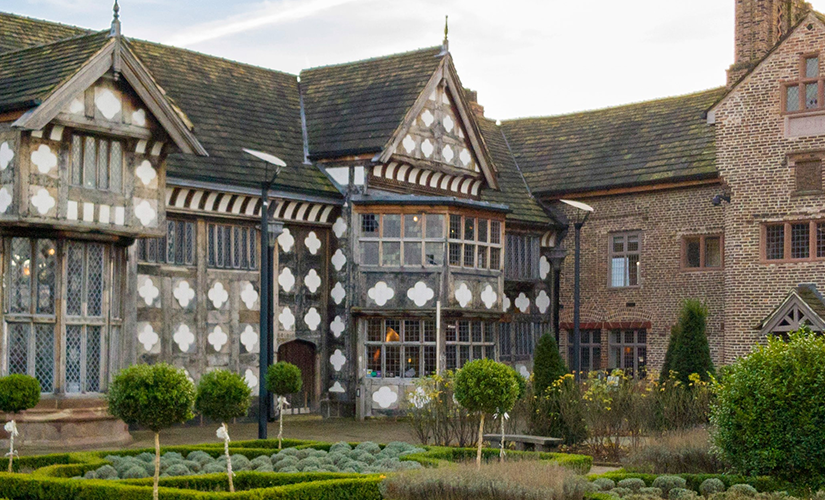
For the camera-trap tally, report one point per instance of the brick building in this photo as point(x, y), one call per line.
point(418, 233)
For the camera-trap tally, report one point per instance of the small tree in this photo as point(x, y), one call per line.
point(548, 365)
point(503, 415)
point(222, 396)
point(688, 351)
point(485, 386)
point(152, 396)
point(17, 393)
point(283, 378)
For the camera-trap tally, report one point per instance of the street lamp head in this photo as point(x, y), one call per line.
point(582, 212)
point(268, 158)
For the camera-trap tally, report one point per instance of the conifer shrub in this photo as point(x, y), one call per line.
point(688, 351)
point(548, 365)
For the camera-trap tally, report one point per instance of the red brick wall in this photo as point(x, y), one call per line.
point(663, 217)
point(751, 157)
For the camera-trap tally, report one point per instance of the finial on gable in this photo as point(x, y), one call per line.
point(445, 45)
point(115, 32)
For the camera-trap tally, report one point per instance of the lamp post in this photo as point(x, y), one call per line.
point(270, 230)
point(579, 217)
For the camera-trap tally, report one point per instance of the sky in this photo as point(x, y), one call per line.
point(524, 57)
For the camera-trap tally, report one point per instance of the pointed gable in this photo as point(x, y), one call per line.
point(355, 108)
point(804, 306)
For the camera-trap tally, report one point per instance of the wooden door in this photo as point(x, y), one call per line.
point(302, 355)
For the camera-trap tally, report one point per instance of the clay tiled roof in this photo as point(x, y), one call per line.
point(665, 140)
point(28, 76)
point(18, 32)
point(355, 107)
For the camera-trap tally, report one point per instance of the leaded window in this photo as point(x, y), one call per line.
point(466, 341)
point(590, 350)
point(474, 242)
point(522, 255)
point(628, 351)
point(177, 247)
point(804, 93)
point(410, 240)
point(232, 246)
point(96, 163)
point(401, 348)
point(625, 259)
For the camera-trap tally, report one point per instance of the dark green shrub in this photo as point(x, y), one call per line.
point(18, 393)
point(769, 413)
point(156, 397)
point(548, 365)
point(667, 483)
point(711, 486)
point(688, 351)
point(484, 386)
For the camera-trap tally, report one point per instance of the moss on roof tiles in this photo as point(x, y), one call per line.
point(651, 142)
point(355, 107)
point(17, 32)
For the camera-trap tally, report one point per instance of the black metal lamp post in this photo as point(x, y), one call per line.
point(579, 217)
point(270, 230)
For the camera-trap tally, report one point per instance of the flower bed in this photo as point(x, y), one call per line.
point(55, 476)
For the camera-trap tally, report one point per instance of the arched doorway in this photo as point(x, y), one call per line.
point(302, 355)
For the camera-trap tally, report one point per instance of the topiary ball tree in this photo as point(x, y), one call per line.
point(222, 396)
point(522, 390)
point(770, 408)
point(484, 386)
point(283, 378)
point(152, 396)
point(548, 365)
point(688, 351)
point(17, 393)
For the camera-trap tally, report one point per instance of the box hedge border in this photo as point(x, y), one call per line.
point(761, 483)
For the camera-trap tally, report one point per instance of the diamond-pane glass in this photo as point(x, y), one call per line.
point(73, 358)
point(19, 348)
point(77, 160)
point(812, 67)
point(46, 257)
point(74, 280)
point(89, 162)
point(95, 281)
point(189, 249)
point(792, 98)
point(103, 165)
point(237, 248)
point(171, 238)
point(20, 268)
point(44, 356)
point(811, 96)
point(93, 347)
point(115, 166)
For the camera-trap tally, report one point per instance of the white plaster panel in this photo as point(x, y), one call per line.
point(340, 227)
point(6, 155)
point(184, 337)
point(337, 360)
point(286, 240)
point(120, 215)
point(287, 319)
point(250, 338)
point(544, 267)
point(147, 174)
point(385, 397)
point(104, 214)
point(409, 144)
point(489, 296)
point(337, 327)
point(420, 294)
point(107, 103)
point(249, 296)
point(522, 302)
point(218, 295)
point(337, 388)
point(139, 118)
point(44, 159)
point(184, 293)
point(251, 379)
point(463, 295)
point(5, 198)
point(381, 293)
point(217, 338)
point(42, 200)
point(312, 319)
point(146, 211)
point(286, 279)
point(312, 243)
point(88, 212)
point(147, 290)
point(542, 301)
point(148, 338)
point(338, 293)
point(312, 281)
point(339, 260)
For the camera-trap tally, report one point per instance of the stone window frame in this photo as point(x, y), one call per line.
point(816, 241)
point(801, 82)
point(702, 252)
point(426, 347)
point(623, 345)
point(797, 160)
point(611, 254)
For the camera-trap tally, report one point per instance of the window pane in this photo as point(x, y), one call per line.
point(77, 160)
point(393, 327)
point(19, 348)
point(392, 253)
point(775, 242)
point(800, 241)
point(618, 269)
point(463, 355)
point(103, 165)
point(792, 98)
point(392, 360)
point(618, 244)
point(369, 224)
point(46, 258)
point(477, 333)
point(435, 226)
point(412, 331)
point(94, 282)
point(369, 253)
point(633, 243)
point(89, 162)
point(430, 357)
point(455, 254)
point(73, 357)
point(412, 361)
point(412, 254)
point(633, 270)
point(44, 356)
point(463, 331)
point(811, 96)
point(21, 270)
point(171, 230)
point(482, 230)
point(115, 166)
point(489, 336)
point(482, 257)
point(469, 228)
point(455, 227)
point(692, 252)
point(210, 235)
point(392, 225)
point(495, 258)
point(429, 331)
point(93, 344)
point(374, 360)
point(434, 254)
point(811, 67)
point(450, 334)
point(74, 279)
point(495, 232)
point(469, 255)
point(451, 357)
point(375, 332)
point(412, 226)
point(713, 251)
point(820, 239)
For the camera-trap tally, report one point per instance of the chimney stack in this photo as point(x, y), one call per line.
point(760, 24)
point(472, 100)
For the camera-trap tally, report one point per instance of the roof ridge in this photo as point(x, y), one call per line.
point(46, 21)
point(56, 42)
point(616, 107)
point(375, 58)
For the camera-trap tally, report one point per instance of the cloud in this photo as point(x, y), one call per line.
point(268, 15)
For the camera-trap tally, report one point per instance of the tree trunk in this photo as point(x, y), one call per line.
point(157, 466)
point(11, 448)
point(501, 453)
point(480, 441)
point(228, 459)
point(280, 420)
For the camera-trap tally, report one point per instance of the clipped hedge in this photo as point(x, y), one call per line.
point(437, 454)
point(694, 481)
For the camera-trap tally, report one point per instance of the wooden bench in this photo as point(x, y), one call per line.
point(524, 443)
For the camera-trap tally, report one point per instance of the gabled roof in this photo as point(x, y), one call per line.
point(17, 32)
point(514, 191)
point(666, 140)
point(234, 106)
point(804, 305)
point(29, 76)
point(354, 108)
